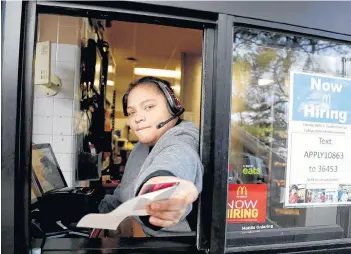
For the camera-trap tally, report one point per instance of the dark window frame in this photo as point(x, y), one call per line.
point(19, 40)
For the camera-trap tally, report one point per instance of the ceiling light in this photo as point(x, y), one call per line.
point(110, 83)
point(157, 72)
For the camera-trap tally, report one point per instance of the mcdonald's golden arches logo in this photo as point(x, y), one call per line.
point(242, 191)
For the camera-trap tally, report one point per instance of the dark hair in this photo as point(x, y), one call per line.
point(152, 80)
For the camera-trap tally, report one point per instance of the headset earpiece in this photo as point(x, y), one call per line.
point(176, 108)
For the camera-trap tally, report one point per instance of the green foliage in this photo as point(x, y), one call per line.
point(265, 58)
point(257, 131)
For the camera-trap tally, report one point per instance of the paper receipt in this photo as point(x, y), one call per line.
point(133, 207)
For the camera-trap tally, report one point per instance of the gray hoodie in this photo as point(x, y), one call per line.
point(177, 152)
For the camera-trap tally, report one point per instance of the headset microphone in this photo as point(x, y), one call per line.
point(160, 125)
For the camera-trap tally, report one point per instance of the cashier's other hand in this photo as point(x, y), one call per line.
point(167, 213)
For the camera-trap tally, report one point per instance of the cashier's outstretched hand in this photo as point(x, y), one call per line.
point(167, 213)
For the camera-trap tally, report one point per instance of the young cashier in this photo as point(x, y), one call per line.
point(167, 151)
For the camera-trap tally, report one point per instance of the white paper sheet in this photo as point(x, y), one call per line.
point(133, 207)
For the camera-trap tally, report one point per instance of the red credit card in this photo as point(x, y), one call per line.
point(155, 187)
point(96, 233)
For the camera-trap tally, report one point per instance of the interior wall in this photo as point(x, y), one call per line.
point(57, 119)
point(191, 67)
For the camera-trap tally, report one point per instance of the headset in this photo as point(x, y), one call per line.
point(174, 106)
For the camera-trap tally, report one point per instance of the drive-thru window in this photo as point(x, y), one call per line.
point(266, 84)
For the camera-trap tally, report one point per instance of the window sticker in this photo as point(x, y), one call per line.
point(247, 203)
point(319, 157)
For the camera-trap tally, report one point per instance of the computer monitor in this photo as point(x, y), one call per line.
point(46, 171)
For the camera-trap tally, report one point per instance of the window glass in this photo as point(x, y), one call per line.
point(288, 179)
